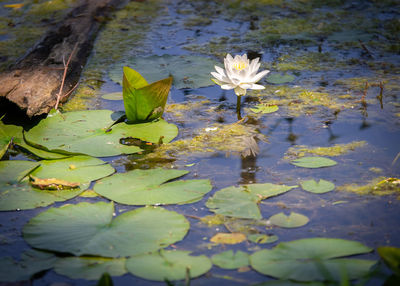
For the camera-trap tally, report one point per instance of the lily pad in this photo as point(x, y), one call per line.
point(79, 170)
point(289, 221)
point(262, 238)
point(313, 162)
point(265, 109)
point(90, 268)
point(277, 78)
point(113, 96)
point(148, 187)
point(242, 202)
point(187, 71)
point(228, 238)
point(89, 229)
point(317, 187)
point(168, 265)
point(91, 132)
point(230, 260)
point(313, 259)
point(32, 261)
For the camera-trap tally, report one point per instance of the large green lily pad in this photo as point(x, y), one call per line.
point(89, 229)
point(21, 194)
point(168, 265)
point(91, 132)
point(242, 202)
point(187, 71)
point(148, 187)
point(230, 260)
point(90, 268)
point(32, 261)
point(313, 259)
point(10, 132)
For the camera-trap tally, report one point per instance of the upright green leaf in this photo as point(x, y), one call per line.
point(143, 102)
point(391, 257)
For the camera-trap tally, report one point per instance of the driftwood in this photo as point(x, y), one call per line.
point(37, 81)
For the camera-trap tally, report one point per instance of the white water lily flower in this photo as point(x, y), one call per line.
point(240, 74)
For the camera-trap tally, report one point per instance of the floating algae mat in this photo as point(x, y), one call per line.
point(300, 188)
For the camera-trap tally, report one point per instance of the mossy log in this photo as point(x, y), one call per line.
point(34, 82)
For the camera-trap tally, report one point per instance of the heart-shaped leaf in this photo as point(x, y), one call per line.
point(230, 260)
point(313, 162)
point(289, 221)
point(317, 187)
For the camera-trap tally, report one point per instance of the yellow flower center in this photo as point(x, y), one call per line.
point(240, 66)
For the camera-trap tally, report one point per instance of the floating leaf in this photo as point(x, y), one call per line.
point(317, 187)
point(230, 260)
point(262, 238)
point(391, 257)
point(16, 194)
point(148, 187)
point(143, 102)
point(228, 238)
point(313, 259)
point(242, 202)
point(89, 132)
point(313, 162)
point(134, 232)
point(32, 261)
point(187, 71)
point(290, 221)
point(90, 268)
point(264, 109)
point(168, 265)
point(113, 96)
point(277, 78)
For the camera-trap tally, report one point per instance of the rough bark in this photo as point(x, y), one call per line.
point(34, 82)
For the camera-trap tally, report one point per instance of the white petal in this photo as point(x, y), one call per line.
point(228, 86)
point(253, 64)
point(220, 77)
point(257, 86)
point(216, 81)
point(220, 70)
point(258, 76)
point(246, 85)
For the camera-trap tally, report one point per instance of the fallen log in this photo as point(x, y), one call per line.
point(51, 69)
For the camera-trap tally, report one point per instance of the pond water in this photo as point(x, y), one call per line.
point(342, 59)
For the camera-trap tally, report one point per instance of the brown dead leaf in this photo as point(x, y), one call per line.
point(52, 184)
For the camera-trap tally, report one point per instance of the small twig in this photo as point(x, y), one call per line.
point(380, 96)
point(365, 92)
point(365, 48)
point(65, 75)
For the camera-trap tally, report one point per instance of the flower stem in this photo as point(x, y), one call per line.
point(238, 102)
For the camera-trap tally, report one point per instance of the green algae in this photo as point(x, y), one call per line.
point(310, 61)
point(380, 186)
point(333, 151)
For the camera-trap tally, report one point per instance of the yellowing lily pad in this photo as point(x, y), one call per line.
point(92, 132)
point(313, 162)
point(289, 221)
point(317, 187)
point(90, 268)
point(242, 202)
point(313, 259)
point(231, 260)
point(168, 265)
point(148, 187)
point(90, 229)
point(228, 238)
